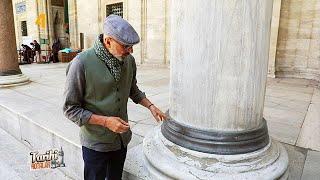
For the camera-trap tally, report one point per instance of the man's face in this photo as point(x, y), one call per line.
point(117, 49)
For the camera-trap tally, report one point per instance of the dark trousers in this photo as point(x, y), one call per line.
point(55, 58)
point(103, 165)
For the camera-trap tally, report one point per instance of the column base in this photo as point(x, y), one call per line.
point(166, 160)
point(216, 142)
point(13, 80)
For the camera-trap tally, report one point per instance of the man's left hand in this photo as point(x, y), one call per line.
point(157, 113)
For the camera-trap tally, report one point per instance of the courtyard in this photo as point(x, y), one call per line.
point(32, 118)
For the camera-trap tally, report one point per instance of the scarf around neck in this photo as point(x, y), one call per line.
point(110, 61)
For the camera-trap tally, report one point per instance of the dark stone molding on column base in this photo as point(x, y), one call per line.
point(10, 72)
point(216, 142)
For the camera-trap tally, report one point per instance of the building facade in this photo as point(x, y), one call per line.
point(298, 42)
point(294, 38)
point(150, 19)
point(41, 20)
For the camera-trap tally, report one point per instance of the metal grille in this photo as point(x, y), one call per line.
point(24, 30)
point(116, 9)
point(57, 3)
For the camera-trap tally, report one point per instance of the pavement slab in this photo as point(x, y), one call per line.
point(309, 136)
point(14, 164)
point(311, 169)
point(297, 157)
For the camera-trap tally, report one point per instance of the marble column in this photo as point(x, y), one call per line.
point(219, 61)
point(10, 73)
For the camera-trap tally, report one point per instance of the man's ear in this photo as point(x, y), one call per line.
point(107, 42)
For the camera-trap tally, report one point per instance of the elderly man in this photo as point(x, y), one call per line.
point(99, 82)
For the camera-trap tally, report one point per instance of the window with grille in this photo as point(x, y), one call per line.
point(57, 3)
point(116, 9)
point(24, 30)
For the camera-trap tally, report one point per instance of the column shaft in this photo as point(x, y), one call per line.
point(216, 130)
point(8, 51)
point(219, 63)
point(218, 75)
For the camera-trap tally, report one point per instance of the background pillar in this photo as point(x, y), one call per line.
point(10, 73)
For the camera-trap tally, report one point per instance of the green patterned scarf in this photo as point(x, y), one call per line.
point(104, 55)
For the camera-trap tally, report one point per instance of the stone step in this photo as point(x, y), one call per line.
point(14, 162)
point(40, 125)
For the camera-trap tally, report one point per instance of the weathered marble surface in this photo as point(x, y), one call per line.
point(165, 160)
point(220, 88)
point(310, 133)
point(219, 60)
point(311, 167)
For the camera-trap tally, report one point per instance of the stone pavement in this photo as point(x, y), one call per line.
point(14, 161)
point(32, 114)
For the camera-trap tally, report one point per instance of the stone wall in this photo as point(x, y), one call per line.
point(57, 22)
point(73, 24)
point(30, 16)
point(155, 31)
point(33, 10)
point(134, 16)
point(88, 14)
point(149, 18)
point(298, 47)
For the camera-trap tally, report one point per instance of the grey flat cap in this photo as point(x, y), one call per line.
point(119, 29)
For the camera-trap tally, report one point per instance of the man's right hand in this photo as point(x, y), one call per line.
point(116, 124)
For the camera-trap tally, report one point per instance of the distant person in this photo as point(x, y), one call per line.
point(33, 52)
point(56, 47)
point(37, 50)
point(26, 53)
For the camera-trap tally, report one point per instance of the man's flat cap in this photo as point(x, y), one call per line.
point(120, 30)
